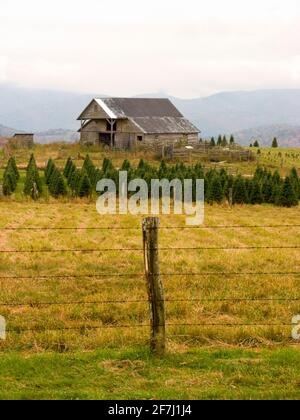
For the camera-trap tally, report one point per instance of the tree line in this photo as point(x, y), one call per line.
point(222, 141)
point(275, 144)
point(263, 187)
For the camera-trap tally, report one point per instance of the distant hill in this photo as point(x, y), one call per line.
point(288, 136)
point(48, 136)
point(40, 110)
point(228, 112)
point(235, 111)
point(52, 136)
point(7, 132)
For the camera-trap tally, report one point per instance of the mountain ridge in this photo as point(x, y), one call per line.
point(225, 112)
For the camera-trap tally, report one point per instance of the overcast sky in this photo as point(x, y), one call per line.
point(185, 48)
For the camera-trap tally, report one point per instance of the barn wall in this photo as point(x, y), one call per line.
point(89, 137)
point(93, 111)
point(124, 138)
point(128, 133)
point(95, 125)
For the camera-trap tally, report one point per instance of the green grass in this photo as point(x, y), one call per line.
point(134, 374)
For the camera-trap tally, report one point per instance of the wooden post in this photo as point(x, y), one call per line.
point(35, 192)
point(154, 286)
point(231, 197)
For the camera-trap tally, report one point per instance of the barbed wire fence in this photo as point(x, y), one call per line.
point(154, 280)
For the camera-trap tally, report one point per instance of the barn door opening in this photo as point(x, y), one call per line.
point(105, 138)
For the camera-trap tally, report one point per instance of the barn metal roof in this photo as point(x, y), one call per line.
point(160, 125)
point(108, 110)
point(150, 115)
point(142, 107)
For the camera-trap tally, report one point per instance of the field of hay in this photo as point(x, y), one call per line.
point(39, 292)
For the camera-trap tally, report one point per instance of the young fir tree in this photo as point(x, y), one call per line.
point(224, 141)
point(9, 182)
point(59, 188)
point(267, 190)
point(256, 144)
point(68, 167)
point(11, 165)
point(91, 171)
point(126, 166)
point(239, 191)
point(84, 188)
point(163, 171)
point(275, 143)
point(213, 142)
point(141, 165)
point(232, 141)
point(87, 164)
point(216, 192)
point(10, 177)
point(71, 172)
point(57, 185)
point(256, 196)
point(33, 184)
point(295, 181)
point(107, 166)
point(288, 196)
point(219, 142)
point(74, 182)
point(49, 170)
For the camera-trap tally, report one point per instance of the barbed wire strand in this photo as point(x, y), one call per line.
point(124, 302)
point(31, 251)
point(90, 327)
point(37, 228)
point(142, 275)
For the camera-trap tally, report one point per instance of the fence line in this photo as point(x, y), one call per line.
point(142, 275)
point(157, 300)
point(137, 326)
point(104, 228)
point(228, 248)
point(124, 302)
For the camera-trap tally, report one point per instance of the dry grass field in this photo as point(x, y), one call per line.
point(52, 299)
point(76, 305)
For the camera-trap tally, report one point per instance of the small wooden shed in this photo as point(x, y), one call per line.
point(25, 140)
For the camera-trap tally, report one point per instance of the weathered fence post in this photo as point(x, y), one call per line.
point(231, 197)
point(154, 286)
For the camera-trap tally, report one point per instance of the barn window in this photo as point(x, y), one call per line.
point(140, 138)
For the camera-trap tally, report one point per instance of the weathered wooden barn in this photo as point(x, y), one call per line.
point(126, 122)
